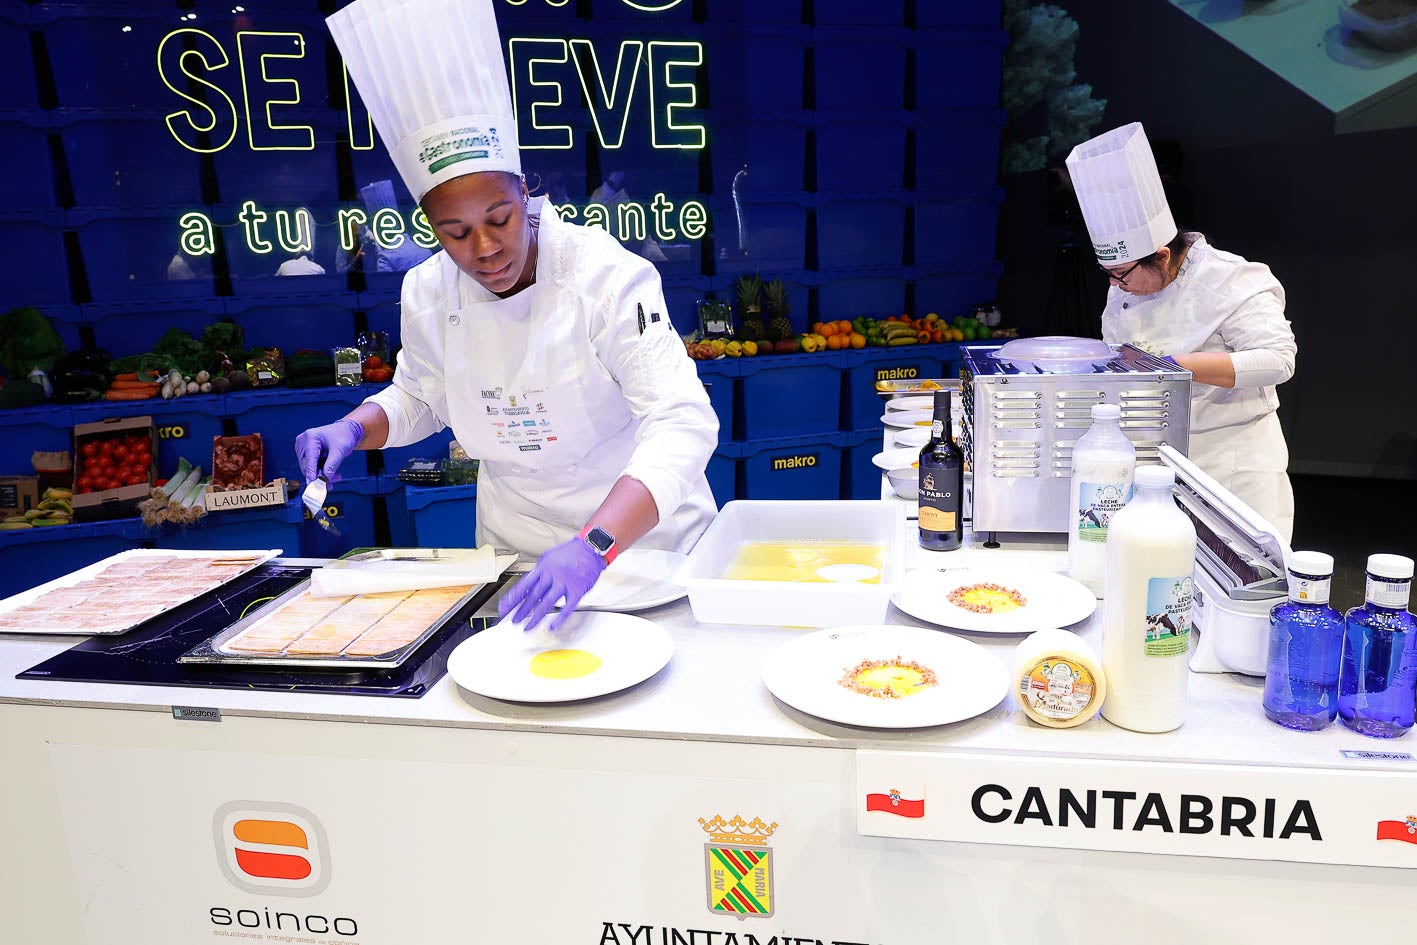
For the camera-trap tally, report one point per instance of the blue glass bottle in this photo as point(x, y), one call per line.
point(1305, 648)
point(1377, 689)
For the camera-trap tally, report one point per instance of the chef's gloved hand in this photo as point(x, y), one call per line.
point(334, 441)
point(1170, 360)
point(569, 570)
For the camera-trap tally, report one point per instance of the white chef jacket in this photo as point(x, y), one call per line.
point(1222, 302)
point(556, 390)
point(300, 266)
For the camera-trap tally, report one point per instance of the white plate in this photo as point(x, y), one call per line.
point(915, 436)
point(639, 579)
point(912, 402)
point(497, 662)
point(896, 459)
point(1051, 599)
point(806, 674)
point(907, 419)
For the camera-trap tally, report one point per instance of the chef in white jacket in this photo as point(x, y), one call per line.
point(524, 334)
point(1217, 315)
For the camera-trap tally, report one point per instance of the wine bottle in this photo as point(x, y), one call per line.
point(941, 483)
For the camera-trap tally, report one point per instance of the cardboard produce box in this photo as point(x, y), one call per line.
point(114, 466)
point(18, 494)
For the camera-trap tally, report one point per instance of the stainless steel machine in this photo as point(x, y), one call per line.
point(1022, 416)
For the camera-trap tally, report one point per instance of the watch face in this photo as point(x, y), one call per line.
point(601, 540)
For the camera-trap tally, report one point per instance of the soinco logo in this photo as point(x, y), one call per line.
point(738, 866)
point(272, 848)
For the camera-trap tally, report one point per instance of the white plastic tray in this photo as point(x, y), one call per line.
point(792, 604)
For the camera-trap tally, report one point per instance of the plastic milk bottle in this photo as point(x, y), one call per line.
point(1104, 461)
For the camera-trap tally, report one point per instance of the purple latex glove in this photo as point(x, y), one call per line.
point(569, 570)
point(1167, 357)
point(334, 441)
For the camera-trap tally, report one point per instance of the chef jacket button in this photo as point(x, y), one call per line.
point(453, 319)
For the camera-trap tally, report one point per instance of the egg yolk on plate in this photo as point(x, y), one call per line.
point(564, 664)
point(987, 599)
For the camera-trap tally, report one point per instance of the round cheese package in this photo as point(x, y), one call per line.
point(1060, 680)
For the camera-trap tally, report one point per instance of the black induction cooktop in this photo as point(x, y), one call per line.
point(147, 655)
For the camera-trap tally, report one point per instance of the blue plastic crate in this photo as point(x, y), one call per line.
point(280, 414)
point(29, 184)
point(275, 526)
point(860, 233)
point(756, 67)
point(351, 509)
point(66, 320)
point(125, 328)
point(25, 430)
point(670, 167)
point(284, 179)
point(957, 231)
point(860, 67)
point(869, 365)
point(862, 480)
point(975, 13)
point(850, 295)
point(294, 322)
point(789, 395)
point(104, 55)
point(254, 253)
point(668, 13)
point(396, 511)
point(953, 293)
point(957, 150)
point(434, 447)
point(856, 13)
point(443, 516)
point(841, 141)
point(721, 378)
point(771, 145)
point(126, 158)
point(184, 426)
point(32, 556)
point(17, 88)
point(959, 68)
point(797, 467)
point(35, 272)
point(135, 253)
point(382, 311)
point(771, 237)
point(682, 296)
point(757, 11)
point(722, 473)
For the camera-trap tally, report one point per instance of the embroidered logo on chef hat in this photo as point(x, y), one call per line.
point(271, 848)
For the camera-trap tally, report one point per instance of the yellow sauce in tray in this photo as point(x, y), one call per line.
point(808, 561)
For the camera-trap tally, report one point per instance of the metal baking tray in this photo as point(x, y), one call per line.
point(211, 652)
point(241, 563)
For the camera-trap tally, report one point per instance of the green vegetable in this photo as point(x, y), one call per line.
point(28, 341)
point(178, 479)
point(20, 393)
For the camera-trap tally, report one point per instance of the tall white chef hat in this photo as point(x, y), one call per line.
point(431, 74)
point(1119, 189)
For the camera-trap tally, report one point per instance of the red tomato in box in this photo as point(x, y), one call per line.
point(120, 452)
point(89, 449)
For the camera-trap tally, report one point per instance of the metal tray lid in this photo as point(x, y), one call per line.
point(1240, 540)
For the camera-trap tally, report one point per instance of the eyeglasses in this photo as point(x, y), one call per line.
point(1121, 277)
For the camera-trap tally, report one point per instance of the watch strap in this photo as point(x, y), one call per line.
point(609, 555)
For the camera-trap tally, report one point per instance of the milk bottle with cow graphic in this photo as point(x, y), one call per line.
point(1146, 617)
point(1104, 461)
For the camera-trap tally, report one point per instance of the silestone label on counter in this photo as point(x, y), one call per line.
point(1302, 815)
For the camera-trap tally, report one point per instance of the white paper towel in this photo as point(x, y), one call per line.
point(377, 576)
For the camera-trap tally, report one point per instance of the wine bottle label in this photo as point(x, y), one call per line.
point(1309, 590)
point(1097, 503)
point(937, 429)
point(1168, 616)
point(939, 504)
point(1389, 592)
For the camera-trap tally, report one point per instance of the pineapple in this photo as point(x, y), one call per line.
point(779, 328)
point(749, 292)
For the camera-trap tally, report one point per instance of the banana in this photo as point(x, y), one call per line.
point(14, 526)
point(40, 522)
point(54, 492)
point(56, 505)
point(16, 518)
point(33, 514)
point(902, 340)
point(896, 328)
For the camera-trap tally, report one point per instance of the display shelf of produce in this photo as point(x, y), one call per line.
point(793, 467)
point(281, 414)
point(274, 526)
point(185, 425)
point(31, 556)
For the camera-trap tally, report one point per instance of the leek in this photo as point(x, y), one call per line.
point(192, 484)
point(195, 494)
point(178, 480)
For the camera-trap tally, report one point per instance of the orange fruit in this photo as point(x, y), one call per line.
point(834, 342)
point(858, 340)
point(817, 328)
point(828, 329)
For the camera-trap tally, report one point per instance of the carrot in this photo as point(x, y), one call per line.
point(130, 395)
point(134, 385)
point(126, 376)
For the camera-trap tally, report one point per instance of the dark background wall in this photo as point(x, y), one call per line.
point(1273, 181)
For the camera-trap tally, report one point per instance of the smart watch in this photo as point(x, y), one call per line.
point(601, 542)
